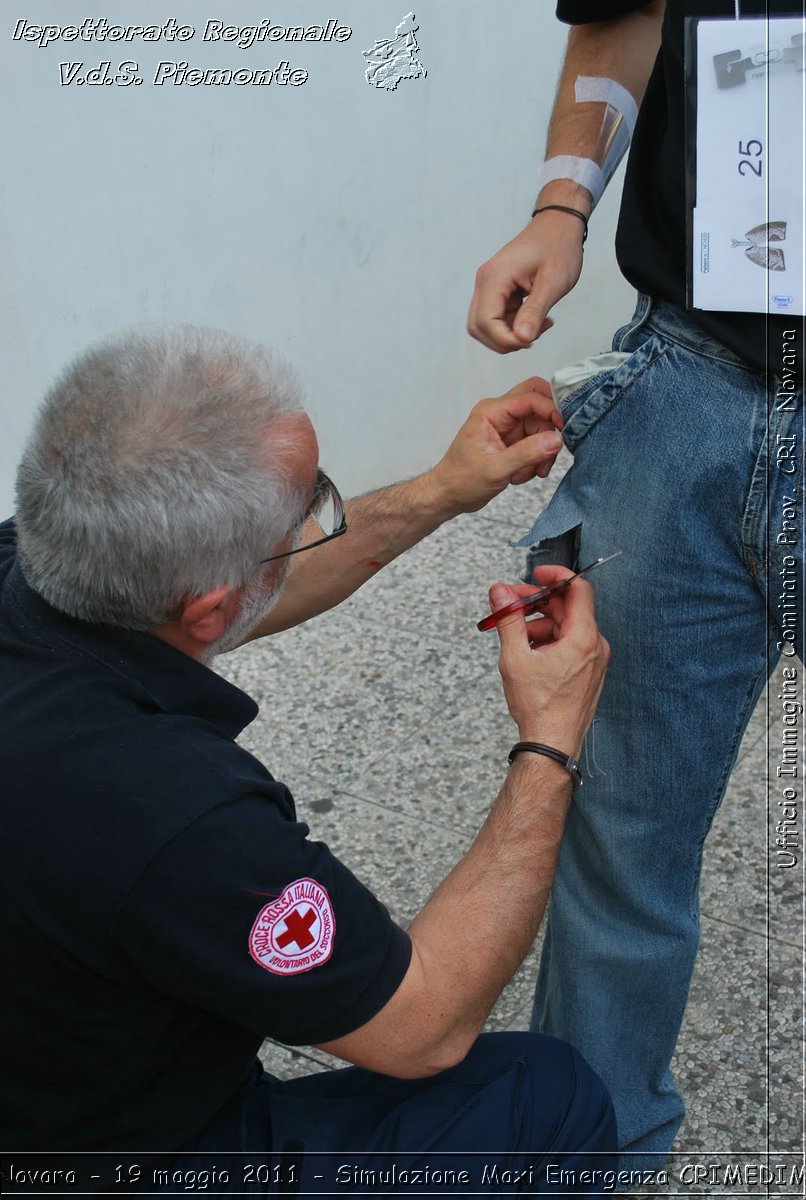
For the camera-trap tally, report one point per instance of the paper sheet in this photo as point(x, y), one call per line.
point(748, 223)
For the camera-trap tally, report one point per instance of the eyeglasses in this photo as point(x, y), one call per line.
point(327, 509)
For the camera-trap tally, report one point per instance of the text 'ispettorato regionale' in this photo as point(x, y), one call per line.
point(175, 71)
point(98, 29)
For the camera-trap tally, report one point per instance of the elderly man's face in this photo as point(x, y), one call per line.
point(260, 594)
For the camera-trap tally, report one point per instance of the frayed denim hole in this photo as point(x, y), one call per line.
point(561, 550)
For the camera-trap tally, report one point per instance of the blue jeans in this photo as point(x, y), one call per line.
point(675, 464)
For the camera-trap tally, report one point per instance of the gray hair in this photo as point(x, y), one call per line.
point(157, 469)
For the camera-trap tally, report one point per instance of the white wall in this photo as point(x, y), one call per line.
point(338, 223)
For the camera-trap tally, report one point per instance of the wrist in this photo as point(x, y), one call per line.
point(560, 737)
point(568, 211)
point(546, 789)
point(434, 497)
point(450, 489)
point(567, 762)
point(566, 191)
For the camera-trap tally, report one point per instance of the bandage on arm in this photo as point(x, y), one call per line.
point(619, 114)
point(607, 66)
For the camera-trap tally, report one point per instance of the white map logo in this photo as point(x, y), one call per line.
point(393, 59)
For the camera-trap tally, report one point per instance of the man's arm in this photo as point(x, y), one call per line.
point(508, 439)
point(474, 932)
point(545, 260)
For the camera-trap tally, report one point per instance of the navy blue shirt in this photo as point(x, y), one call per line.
point(163, 910)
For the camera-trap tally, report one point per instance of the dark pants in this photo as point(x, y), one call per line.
point(523, 1114)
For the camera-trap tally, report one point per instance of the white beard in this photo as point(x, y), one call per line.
point(258, 598)
point(257, 601)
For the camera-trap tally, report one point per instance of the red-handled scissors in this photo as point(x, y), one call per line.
point(534, 602)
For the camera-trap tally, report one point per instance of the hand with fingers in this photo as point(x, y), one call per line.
point(517, 288)
point(505, 439)
point(552, 667)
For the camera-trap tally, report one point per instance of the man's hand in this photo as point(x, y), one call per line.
point(543, 263)
point(518, 287)
point(552, 667)
point(508, 439)
point(552, 670)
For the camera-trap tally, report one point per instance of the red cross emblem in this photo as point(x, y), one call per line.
point(295, 932)
point(297, 929)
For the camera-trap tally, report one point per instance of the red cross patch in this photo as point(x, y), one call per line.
point(294, 933)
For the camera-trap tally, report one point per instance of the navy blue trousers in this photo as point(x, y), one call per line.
point(522, 1114)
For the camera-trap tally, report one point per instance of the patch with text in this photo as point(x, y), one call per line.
point(295, 932)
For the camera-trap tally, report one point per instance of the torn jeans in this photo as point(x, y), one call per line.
point(677, 463)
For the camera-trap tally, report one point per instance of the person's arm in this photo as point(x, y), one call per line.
point(544, 261)
point(507, 439)
point(474, 932)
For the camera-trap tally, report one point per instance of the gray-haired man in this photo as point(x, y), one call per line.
point(165, 910)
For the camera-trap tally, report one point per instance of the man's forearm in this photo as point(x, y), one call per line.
point(505, 439)
point(622, 49)
point(476, 929)
point(380, 526)
point(474, 932)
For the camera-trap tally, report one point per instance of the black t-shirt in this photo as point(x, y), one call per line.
point(651, 236)
point(163, 909)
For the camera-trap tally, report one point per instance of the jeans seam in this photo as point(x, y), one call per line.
point(721, 788)
point(634, 377)
point(634, 324)
point(756, 556)
point(724, 361)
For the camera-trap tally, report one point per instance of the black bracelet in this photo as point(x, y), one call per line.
point(564, 208)
point(565, 760)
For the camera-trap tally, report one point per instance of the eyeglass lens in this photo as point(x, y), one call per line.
point(327, 509)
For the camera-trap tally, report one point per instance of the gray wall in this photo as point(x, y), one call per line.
point(339, 223)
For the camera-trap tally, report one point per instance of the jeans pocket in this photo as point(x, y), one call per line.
point(587, 405)
point(572, 385)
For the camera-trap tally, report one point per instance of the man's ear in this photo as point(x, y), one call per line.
point(205, 618)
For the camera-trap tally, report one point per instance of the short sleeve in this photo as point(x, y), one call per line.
point(8, 539)
point(243, 916)
point(584, 12)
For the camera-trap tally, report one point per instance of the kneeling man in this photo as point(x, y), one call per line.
point(165, 911)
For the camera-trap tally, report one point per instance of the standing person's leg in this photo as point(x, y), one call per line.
point(671, 467)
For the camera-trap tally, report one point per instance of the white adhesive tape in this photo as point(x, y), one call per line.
point(618, 119)
point(583, 171)
point(595, 89)
point(618, 123)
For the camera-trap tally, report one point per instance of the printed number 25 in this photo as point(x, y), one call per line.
point(754, 148)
